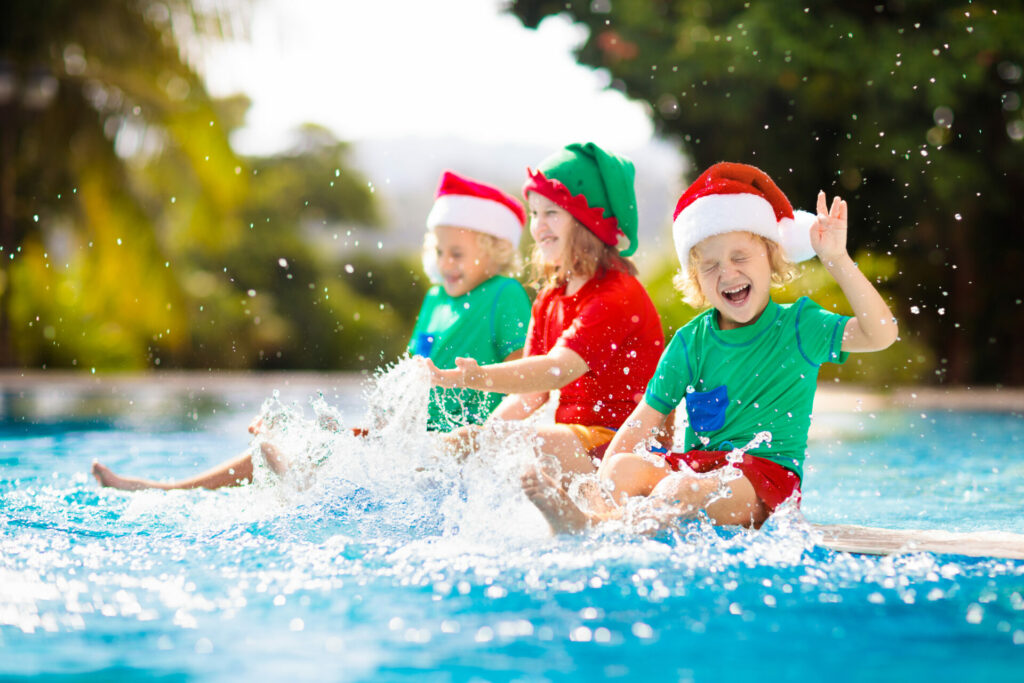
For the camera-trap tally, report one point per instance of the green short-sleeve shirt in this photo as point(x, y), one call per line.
point(757, 378)
point(486, 324)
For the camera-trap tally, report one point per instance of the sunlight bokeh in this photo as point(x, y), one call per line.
point(459, 68)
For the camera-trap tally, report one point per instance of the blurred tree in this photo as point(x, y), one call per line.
point(133, 236)
point(908, 108)
point(84, 88)
point(281, 297)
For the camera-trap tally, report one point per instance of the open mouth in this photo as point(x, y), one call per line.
point(736, 295)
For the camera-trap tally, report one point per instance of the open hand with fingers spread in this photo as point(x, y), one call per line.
point(828, 234)
point(460, 376)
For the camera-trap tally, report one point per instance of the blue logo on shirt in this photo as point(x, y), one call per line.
point(422, 344)
point(706, 409)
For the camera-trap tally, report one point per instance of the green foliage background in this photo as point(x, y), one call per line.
point(133, 236)
point(910, 109)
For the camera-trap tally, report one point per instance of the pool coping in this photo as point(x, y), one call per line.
point(829, 398)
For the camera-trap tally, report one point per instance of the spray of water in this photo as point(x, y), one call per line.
point(389, 455)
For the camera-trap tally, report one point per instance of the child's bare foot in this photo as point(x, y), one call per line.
point(107, 478)
point(272, 455)
point(256, 426)
point(561, 513)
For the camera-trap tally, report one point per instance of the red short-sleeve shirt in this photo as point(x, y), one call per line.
point(613, 326)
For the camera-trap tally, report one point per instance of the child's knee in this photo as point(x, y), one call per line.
point(630, 474)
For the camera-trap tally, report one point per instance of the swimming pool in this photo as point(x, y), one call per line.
point(389, 565)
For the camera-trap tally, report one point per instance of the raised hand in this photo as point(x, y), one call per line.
point(828, 234)
point(448, 379)
point(470, 368)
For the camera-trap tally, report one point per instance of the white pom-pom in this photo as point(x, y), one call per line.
point(795, 236)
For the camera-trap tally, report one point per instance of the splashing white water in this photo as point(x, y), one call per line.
point(390, 454)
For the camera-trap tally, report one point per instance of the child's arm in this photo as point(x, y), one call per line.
point(535, 374)
point(519, 406)
point(643, 423)
point(873, 326)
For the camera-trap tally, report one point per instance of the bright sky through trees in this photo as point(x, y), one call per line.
point(396, 68)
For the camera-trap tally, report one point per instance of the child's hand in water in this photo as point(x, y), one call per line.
point(828, 234)
point(470, 369)
point(443, 378)
point(466, 370)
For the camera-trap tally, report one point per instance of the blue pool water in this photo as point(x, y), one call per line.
point(384, 564)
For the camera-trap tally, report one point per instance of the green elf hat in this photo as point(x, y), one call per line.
point(595, 187)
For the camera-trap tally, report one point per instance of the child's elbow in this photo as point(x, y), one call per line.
point(889, 336)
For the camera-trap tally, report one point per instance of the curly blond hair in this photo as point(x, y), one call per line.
point(687, 283)
point(503, 255)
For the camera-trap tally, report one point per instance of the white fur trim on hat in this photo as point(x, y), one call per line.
point(476, 213)
point(717, 214)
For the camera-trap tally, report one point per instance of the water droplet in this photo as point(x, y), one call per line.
point(975, 614)
point(642, 630)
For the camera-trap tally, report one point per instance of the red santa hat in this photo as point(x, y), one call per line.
point(731, 197)
point(465, 203)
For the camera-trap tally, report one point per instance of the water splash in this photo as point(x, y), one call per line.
point(387, 459)
point(377, 551)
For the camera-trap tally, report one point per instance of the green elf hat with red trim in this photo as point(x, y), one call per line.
point(595, 187)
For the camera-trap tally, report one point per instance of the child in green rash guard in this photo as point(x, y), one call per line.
point(475, 311)
point(746, 369)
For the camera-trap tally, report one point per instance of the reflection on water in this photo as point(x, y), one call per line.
point(377, 558)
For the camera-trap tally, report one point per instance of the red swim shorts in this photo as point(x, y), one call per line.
point(772, 482)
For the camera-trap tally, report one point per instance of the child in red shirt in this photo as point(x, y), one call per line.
point(594, 334)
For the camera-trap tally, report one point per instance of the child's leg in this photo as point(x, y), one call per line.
point(631, 475)
point(459, 442)
point(563, 515)
point(229, 473)
point(689, 493)
point(557, 440)
point(564, 444)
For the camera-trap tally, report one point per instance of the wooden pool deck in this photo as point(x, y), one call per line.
point(873, 541)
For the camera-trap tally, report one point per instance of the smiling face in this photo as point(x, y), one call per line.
point(735, 276)
point(463, 263)
point(550, 226)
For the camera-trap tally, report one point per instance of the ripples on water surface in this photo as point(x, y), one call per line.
point(386, 563)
